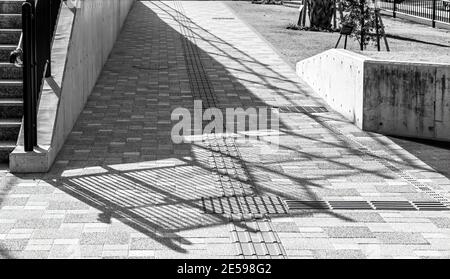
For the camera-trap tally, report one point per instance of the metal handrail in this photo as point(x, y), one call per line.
point(33, 55)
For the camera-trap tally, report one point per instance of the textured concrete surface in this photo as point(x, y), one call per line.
point(410, 99)
point(121, 189)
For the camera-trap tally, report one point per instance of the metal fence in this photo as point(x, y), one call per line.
point(433, 10)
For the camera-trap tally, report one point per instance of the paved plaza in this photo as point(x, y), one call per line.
point(120, 188)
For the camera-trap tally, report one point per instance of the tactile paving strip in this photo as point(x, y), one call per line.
point(256, 240)
point(227, 166)
point(366, 205)
point(244, 205)
point(201, 86)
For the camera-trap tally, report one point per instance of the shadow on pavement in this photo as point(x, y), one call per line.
point(120, 158)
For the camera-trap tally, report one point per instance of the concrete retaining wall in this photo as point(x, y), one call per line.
point(389, 97)
point(338, 78)
point(84, 38)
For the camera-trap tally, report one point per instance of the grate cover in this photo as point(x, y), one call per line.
point(349, 205)
point(223, 18)
point(244, 205)
point(365, 205)
point(430, 205)
point(307, 205)
point(393, 205)
point(301, 109)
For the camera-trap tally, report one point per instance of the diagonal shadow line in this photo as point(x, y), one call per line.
point(208, 41)
point(305, 182)
point(167, 194)
point(354, 151)
point(170, 195)
point(267, 83)
point(401, 38)
point(311, 156)
point(90, 198)
point(111, 209)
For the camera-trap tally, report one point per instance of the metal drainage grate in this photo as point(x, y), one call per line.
point(301, 109)
point(305, 205)
point(430, 205)
point(365, 205)
point(393, 205)
point(244, 205)
point(349, 205)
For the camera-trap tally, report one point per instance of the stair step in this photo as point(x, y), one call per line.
point(6, 147)
point(9, 129)
point(11, 7)
point(5, 52)
point(11, 89)
point(11, 108)
point(10, 21)
point(10, 36)
point(8, 71)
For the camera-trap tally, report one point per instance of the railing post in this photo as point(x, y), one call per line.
point(334, 15)
point(433, 18)
point(28, 98)
point(49, 34)
point(34, 64)
point(362, 2)
point(38, 22)
point(394, 10)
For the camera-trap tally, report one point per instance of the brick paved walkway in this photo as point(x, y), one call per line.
point(121, 188)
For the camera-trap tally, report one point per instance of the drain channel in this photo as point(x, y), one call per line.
point(421, 187)
point(366, 205)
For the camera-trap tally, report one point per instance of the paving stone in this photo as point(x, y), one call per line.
point(93, 238)
point(349, 232)
point(441, 222)
point(339, 254)
point(38, 223)
point(364, 217)
point(401, 238)
point(13, 244)
point(64, 251)
point(89, 251)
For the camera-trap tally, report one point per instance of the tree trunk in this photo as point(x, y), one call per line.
point(319, 14)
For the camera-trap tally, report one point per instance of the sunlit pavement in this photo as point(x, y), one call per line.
point(120, 187)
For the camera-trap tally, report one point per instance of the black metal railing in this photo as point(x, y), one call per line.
point(433, 10)
point(34, 56)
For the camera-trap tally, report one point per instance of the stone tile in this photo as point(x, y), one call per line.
point(401, 238)
point(441, 222)
point(349, 232)
point(93, 238)
point(13, 244)
point(339, 254)
point(89, 251)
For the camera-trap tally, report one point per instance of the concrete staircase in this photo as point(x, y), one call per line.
point(10, 77)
